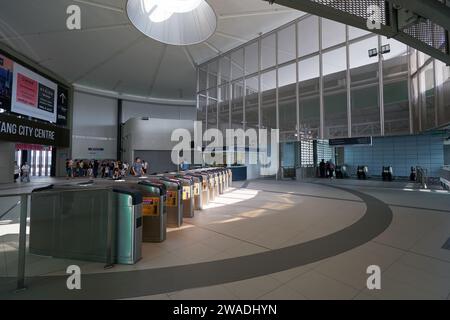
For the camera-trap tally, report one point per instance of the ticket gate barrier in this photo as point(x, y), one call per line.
point(129, 225)
point(205, 185)
point(362, 172)
point(188, 194)
point(97, 224)
point(174, 202)
point(154, 211)
point(387, 173)
point(202, 190)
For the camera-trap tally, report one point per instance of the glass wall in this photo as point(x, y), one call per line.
point(314, 79)
point(430, 88)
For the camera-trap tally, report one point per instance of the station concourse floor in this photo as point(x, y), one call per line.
point(267, 239)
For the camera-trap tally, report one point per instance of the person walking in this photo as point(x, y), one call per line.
point(95, 171)
point(25, 173)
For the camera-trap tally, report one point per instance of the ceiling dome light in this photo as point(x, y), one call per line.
point(175, 22)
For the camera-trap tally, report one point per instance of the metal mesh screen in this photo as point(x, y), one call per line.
point(429, 33)
point(357, 8)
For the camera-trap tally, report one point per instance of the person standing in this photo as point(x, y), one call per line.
point(16, 171)
point(25, 173)
point(322, 168)
point(95, 171)
point(136, 169)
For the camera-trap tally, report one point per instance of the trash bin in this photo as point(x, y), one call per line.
point(173, 203)
point(129, 204)
point(154, 212)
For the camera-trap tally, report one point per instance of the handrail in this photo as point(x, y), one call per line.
point(9, 210)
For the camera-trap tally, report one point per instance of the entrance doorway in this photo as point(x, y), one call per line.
point(38, 157)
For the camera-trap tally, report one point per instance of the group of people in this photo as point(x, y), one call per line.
point(22, 172)
point(326, 169)
point(104, 169)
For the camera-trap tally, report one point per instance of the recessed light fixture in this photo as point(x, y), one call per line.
point(174, 22)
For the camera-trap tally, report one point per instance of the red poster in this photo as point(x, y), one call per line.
point(27, 90)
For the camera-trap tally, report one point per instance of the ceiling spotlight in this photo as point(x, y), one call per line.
point(386, 49)
point(373, 53)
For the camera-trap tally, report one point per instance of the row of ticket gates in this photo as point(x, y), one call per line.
point(362, 172)
point(76, 217)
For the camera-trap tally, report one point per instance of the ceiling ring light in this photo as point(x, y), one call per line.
point(174, 22)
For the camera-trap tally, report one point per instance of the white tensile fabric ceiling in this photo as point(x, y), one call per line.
point(109, 54)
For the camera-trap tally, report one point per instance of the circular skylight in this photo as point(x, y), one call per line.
point(175, 22)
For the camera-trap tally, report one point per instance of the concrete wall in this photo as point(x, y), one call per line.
point(151, 135)
point(95, 122)
point(133, 109)
point(7, 150)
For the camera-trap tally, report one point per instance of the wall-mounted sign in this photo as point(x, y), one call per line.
point(28, 93)
point(63, 106)
point(351, 141)
point(21, 130)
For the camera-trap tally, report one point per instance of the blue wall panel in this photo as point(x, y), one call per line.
point(401, 152)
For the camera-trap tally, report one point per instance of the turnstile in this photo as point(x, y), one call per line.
point(187, 195)
point(154, 211)
point(174, 202)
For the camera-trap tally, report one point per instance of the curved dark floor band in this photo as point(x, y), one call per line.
point(128, 284)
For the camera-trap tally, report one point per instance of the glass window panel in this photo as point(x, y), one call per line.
point(354, 33)
point(359, 52)
point(396, 96)
point(251, 103)
point(237, 64)
point(268, 104)
point(427, 97)
point(309, 77)
point(333, 33)
point(237, 105)
point(203, 75)
point(413, 59)
point(251, 58)
point(443, 91)
point(225, 68)
point(286, 44)
point(201, 112)
point(224, 107)
point(335, 93)
point(268, 52)
point(364, 89)
point(212, 108)
point(415, 103)
point(287, 76)
point(213, 70)
point(308, 36)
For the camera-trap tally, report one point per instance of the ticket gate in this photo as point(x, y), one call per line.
point(89, 223)
point(154, 211)
point(174, 202)
point(204, 190)
point(387, 173)
point(362, 172)
point(197, 188)
point(187, 195)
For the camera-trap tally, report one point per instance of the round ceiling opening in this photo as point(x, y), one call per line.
point(174, 22)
